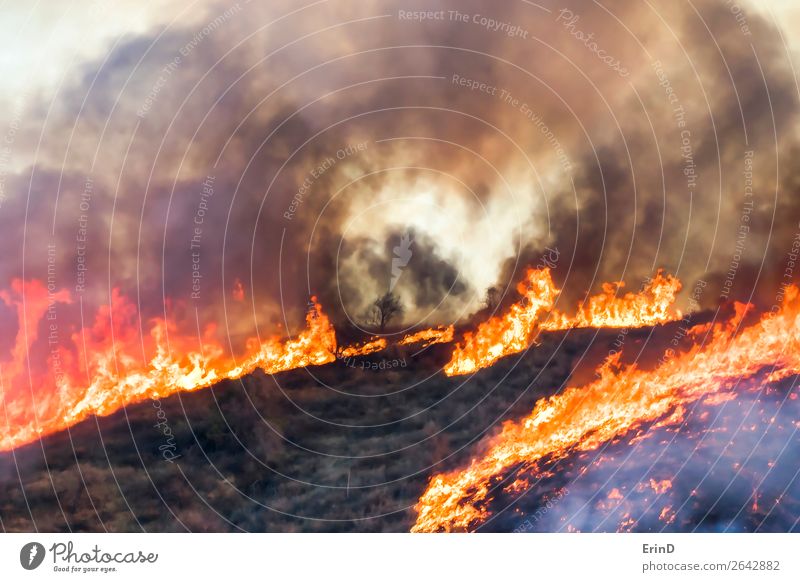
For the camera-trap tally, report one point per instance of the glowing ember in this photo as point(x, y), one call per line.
point(621, 399)
point(428, 337)
point(110, 369)
point(667, 515)
point(660, 487)
point(615, 494)
point(507, 334)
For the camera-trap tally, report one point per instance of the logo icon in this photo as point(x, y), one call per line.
point(402, 254)
point(31, 555)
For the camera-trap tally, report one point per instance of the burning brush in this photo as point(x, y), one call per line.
point(580, 419)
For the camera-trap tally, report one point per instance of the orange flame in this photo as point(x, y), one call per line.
point(428, 337)
point(516, 330)
point(370, 347)
point(651, 306)
point(508, 334)
point(621, 399)
point(110, 370)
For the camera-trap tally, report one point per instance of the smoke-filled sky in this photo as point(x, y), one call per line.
point(221, 162)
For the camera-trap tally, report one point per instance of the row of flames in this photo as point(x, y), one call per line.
point(517, 329)
point(116, 365)
point(720, 357)
point(109, 370)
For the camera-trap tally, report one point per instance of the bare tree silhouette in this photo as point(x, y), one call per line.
point(384, 309)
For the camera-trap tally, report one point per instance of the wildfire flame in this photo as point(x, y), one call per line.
point(365, 349)
point(651, 306)
point(621, 399)
point(428, 337)
point(110, 369)
point(513, 332)
point(507, 334)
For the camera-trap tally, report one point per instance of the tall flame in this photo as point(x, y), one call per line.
point(110, 370)
point(516, 330)
point(651, 306)
point(621, 399)
point(509, 333)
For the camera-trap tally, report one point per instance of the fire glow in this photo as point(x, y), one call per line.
point(428, 337)
point(114, 366)
point(507, 334)
point(111, 367)
point(620, 400)
point(653, 305)
point(516, 330)
point(370, 347)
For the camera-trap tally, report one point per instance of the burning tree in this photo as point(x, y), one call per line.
point(384, 309)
